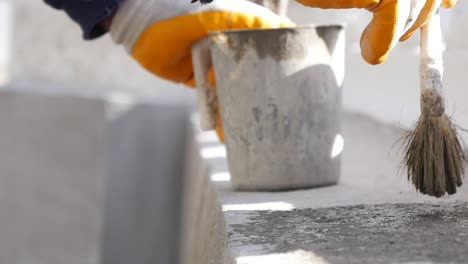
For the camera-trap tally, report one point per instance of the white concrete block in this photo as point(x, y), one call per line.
point(145, 156)
point(51, 178)
point(204, 238)
point(88, 180)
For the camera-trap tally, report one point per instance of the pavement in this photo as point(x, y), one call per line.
point(374, 215)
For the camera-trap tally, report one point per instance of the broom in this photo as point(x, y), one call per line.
point(433, 156)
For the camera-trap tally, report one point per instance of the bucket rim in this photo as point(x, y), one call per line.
point(336, 26)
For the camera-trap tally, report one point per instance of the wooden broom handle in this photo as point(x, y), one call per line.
point(431, 60)
point(201, 60)
point(432, 68)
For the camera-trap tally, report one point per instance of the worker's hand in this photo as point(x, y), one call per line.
point(159, 34)
point(393, 20)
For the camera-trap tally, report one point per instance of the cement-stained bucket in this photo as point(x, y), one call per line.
point(279, 93)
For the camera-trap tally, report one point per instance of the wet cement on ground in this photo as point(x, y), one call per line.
point(388, 233)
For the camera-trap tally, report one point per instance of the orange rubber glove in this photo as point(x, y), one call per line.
point(393, 20)
point(159, 34)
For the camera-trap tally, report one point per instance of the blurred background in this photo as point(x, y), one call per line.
point(47, 47)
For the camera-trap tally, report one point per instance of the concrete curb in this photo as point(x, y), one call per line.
point(372, 216)
point(204, 230)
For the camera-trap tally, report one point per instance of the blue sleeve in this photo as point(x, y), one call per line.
point(87, 13)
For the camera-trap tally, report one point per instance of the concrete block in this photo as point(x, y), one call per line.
point(203, 230)
point(280, 105)
point(144, 180)
point(88, 179)
point(51, 178)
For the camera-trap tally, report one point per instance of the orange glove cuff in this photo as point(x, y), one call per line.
point(165, 47)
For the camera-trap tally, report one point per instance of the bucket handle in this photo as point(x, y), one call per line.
point(206, 93)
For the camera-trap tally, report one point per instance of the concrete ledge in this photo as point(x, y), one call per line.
point(372, 216)
point(204, 229)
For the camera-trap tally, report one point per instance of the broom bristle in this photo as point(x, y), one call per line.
point(434, 157)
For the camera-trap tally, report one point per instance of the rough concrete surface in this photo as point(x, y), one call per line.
point(373, 215)
point(204, 239)
point(401, 233)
